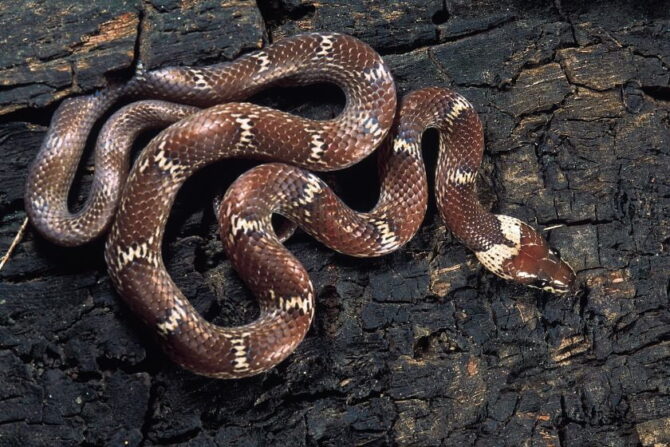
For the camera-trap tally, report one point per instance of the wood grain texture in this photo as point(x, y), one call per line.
point(421, 347)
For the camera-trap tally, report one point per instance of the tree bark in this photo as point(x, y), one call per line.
point(422, 347)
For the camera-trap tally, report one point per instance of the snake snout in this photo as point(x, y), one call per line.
point(554, 275)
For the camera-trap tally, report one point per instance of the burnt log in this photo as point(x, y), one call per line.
point(422, 347)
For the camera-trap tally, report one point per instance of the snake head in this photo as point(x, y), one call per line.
point(540, 266)
point(525, 256)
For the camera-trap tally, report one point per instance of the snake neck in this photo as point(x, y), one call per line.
point(460, 153)
point(505, 245)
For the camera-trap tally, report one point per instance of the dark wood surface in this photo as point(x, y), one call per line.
point(421, 347)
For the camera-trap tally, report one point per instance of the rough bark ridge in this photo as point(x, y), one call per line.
point(418, 348)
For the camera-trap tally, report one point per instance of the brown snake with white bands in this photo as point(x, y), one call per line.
point(224, 128)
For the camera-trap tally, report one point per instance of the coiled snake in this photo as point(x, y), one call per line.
point(206, 124)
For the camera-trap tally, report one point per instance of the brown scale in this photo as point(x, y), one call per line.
point(285, 293)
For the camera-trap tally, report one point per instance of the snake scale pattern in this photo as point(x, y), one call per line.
point(203, 122)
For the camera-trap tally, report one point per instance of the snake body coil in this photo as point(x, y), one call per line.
point(224, 128)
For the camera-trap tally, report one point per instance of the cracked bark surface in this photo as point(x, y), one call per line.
point(421, 347)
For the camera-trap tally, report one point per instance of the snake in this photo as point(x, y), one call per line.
point(202, 118)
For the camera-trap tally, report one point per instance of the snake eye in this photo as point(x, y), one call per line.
point(540, 282)
point(555, 252)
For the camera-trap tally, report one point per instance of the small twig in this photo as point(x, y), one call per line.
point(553, 227)
point(15, 242)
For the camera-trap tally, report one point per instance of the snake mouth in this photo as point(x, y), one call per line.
point(553, 275)
point(539, 266)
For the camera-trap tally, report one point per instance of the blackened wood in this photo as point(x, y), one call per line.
point(421, 347)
